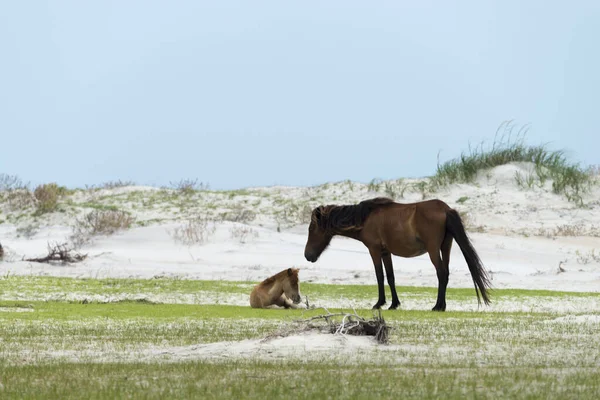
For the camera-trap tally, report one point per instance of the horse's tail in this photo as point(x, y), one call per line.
point(455, 227)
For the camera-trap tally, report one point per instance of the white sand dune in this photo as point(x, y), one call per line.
point(521, 235)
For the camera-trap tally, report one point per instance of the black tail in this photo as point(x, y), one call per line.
point(455, 227)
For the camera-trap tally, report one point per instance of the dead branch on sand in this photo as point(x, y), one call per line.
point(351, 324)
point(59, 253)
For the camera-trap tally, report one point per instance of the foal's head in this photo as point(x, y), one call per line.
point(318, 237)
point(291, 285)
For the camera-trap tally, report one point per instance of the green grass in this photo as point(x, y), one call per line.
point(452, 354)
point(125, 349)
point(169, 290)
point(65, 311)
point(239, 380)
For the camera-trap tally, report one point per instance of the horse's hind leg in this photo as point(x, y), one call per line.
point(389, 272)
point(443, 272)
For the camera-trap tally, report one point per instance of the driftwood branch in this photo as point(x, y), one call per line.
point(353, 324)
point(60, 253)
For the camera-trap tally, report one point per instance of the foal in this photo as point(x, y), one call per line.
point(281, 290)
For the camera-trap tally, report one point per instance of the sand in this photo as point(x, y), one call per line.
point(530, 239)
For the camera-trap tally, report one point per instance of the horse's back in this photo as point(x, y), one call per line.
point(433, 209)
point(406, 229)
point(413, 213)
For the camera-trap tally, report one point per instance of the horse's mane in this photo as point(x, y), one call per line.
point(281, 276)
point(333, 218)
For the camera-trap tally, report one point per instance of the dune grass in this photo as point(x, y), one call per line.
point(292, 206)
point(568, 178)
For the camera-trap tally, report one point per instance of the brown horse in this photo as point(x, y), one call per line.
point(405, 230)
point(281, 290)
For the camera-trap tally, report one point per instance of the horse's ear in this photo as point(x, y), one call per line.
point(290, 273)
point(318, 212)
point(316, 215)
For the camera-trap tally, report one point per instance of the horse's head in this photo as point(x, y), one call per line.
point(291, 285)
point(318, 237)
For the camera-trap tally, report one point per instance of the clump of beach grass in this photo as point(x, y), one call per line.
point(188, 186)
point(568, 179)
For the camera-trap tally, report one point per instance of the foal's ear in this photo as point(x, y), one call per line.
point(290, 273)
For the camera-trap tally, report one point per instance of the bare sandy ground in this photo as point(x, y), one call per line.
point(531, 239)
point(310, 345)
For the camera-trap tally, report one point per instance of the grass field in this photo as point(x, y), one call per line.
point(109, 346)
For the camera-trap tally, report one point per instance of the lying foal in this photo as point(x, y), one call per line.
point(280, 290)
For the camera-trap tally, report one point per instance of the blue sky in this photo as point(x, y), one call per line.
point(248, 93)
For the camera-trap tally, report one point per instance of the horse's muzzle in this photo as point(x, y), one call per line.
point(310, 257)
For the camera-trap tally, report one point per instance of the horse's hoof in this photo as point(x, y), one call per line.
point(394, 306)
point(377, 306)
point(438, 308)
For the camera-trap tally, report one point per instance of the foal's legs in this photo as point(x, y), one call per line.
point(284, 302)
point(389, 272)
point(376, 256)
point(443, 271)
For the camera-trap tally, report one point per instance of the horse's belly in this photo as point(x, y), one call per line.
point(413, 250)
point(417, 253)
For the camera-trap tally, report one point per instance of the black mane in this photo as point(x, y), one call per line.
point(333, 218)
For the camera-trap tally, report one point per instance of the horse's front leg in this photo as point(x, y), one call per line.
point(285, 302)
point(389, 272)
point(376, 256)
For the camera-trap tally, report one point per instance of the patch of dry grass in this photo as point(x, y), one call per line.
point(568, 230)
point(194, 231)
point(243, 233)
point(47, 195)
point(589, 257)
point(100, 222)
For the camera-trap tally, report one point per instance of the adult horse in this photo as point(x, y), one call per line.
point(405, 230)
